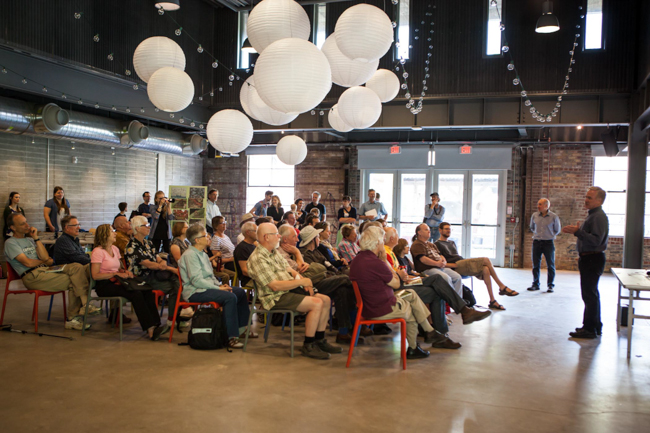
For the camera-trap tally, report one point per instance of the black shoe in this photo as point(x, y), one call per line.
point(444, 342)
point(156, 333)
point(326, 347)
point(382, 329)
point(310, 350)
point(347, 339)
point(598, 331)
point(550, 290)
point(416, 353)
point(532, 288)
point(583, 334)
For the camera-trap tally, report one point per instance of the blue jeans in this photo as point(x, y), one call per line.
point(235, 306)
point(435, 234)
point(548, 249)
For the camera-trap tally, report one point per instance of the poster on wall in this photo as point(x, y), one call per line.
point(189, 203)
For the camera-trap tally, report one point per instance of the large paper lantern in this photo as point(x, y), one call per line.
point(230, 131)
point(272, 20)
point(170, 89)
point(346, 72)
point(385, 84)
point(292, 76)
point(359, 107)
point(291, 150)
point(335, 120)
point(155, 53)
point(257, 109)
point(364, 33)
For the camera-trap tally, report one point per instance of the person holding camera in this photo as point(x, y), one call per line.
point(161, 232)
point(434, 213)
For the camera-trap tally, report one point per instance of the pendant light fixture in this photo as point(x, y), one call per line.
point(248, 48)
point(548, 22)
point(168, 5)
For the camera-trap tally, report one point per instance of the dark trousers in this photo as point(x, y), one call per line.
point(143, 301)
point(591, 267)
point(436, 292)
point(339, 289)
point(169, 287)
point(158, 242)
point(548, 249)
point(235, 306)
point(209, 230)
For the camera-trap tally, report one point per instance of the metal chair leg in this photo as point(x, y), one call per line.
point(49, 312)
point(292, 326)
point(120, 313)
point(268, 326)
point(83, 326)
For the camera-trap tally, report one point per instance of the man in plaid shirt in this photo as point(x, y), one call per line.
point(280, 287)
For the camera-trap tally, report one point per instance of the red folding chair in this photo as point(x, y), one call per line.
point(181, 303)
point(19, 288)
point(361, 321)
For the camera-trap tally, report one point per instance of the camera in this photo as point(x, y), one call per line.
point(170, 200)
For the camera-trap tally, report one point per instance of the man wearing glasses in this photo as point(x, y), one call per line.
point(67, 248)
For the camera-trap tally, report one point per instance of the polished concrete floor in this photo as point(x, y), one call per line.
point(517, 371)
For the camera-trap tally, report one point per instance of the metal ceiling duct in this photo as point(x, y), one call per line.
point(51, 121)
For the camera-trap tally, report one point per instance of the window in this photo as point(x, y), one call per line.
point(320, 20)
point(267, 172)
point(243, 61)
point(594, 25)
point(610, 173)
point(493, 32)
point(404, 29)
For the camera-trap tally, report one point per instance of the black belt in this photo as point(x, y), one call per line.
point(588, 253)
point(28, 271)
point(542, 240)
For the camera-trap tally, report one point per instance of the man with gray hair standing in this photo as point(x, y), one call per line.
point(545, 226)
point(592, 237)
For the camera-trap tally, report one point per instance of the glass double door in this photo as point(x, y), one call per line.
point(473, 202)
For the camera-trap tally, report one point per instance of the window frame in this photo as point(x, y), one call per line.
point(242, 34)
point(484, 39)
point(603, 23)
point(396, 52)
point(316, 27)
point(270, 186)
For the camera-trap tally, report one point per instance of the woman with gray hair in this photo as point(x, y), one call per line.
point(377, 281)
point(200, 285)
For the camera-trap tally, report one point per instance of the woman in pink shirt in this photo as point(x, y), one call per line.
point(106, 266)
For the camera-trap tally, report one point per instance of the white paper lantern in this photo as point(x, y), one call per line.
point(336, 122)
point(257, 109)
point(364, 33)
point(292, 76)
point(346, 72)
point(291, 150)
point(230, 131)
point(155, 53)
point(385, 84)
point(170, 89)
point(359, 107)
point(272, 20)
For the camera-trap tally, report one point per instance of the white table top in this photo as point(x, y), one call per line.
point(635, 279)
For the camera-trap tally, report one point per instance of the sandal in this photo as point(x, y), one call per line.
point(494, 305)
point(250, 335)
point(507, 291)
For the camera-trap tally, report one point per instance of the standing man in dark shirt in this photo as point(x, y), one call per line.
point(315, 198)
point(591, 245)
point(145, 208)
point(244, 250)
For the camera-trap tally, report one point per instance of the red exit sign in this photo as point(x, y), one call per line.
point(395, 150)
point(465, 150)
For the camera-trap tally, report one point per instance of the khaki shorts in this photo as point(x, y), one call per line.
point(288, 301)
point(470, 267)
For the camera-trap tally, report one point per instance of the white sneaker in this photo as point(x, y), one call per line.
point(187, 312)
point(92, 310)
point(75, 323)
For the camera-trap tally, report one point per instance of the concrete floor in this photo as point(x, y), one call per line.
point(517, 372)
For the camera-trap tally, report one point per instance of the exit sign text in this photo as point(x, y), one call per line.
point(465, 150)
point(395, 150)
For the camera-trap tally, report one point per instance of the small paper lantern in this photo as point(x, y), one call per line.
point(155, 53)
point(292, 76)
point(346, 72)
point(336, 122)
point(257, 109)
point(385, 84)
point(291, 150)
point(170, 89)
point(364, 33)
point(359, 107)
point(230, 131)
point(272, 20)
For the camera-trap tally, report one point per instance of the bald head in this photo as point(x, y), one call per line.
point(267, 236)
point(390, 237)
point(543, 205)
point(123, 225)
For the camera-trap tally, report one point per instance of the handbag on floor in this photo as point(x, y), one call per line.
point(208, 331)
point(132, 284)
point(468, 296)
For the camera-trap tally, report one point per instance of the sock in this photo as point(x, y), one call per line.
point(343, 331)
point(320, 335)
point(309, 339)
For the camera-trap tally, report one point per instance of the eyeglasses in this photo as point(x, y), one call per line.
point(74, 225)
point(272, 234)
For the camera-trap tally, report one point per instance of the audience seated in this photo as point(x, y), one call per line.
point(144, 262)
point(29, 258)
point(290, 218)
point(478, 267)
point(401, 250)
point(429, 261)
point(180, 244)
point(348, 248)
point(246, 218)
point(243, 251)
point(200, 285)
point(223, 248)
point(106, 266)
point(326, 249)
point(276, 283)
point(290, 252)
point(310, 220)
point(377, 283)
point(123, 233)
point(67, 248)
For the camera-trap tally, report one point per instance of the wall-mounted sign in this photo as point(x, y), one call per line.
point(466, 150)
point(395, 150)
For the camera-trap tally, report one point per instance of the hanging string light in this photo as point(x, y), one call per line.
point(517, 81)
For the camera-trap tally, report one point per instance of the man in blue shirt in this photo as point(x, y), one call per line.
point(260, 208)
point(434, 213)
point(545, 226)
point(372, 204)
point(145, 208)
point(592, 236)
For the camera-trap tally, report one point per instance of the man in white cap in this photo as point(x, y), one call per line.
point(246, 218)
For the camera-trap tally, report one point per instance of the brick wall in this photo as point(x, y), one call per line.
point(228, 175)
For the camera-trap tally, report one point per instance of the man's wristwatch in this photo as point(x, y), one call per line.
point(36, 240)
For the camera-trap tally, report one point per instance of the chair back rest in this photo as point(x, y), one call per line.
point(357, 295)
point(254, 293)
point(11, 273)
point(13, 280)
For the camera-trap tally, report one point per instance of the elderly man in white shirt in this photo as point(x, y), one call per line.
point(211, 210)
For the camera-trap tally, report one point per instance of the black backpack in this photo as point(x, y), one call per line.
point(468, 296)
point(208, 331)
